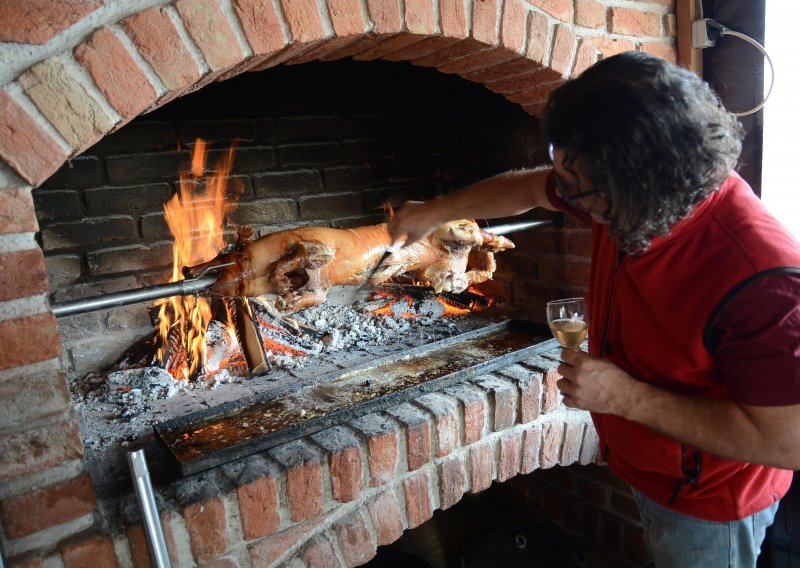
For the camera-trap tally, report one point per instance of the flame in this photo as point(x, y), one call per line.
point(195, 216)
point(450, 310)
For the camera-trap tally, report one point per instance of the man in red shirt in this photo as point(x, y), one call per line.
point(693, 369)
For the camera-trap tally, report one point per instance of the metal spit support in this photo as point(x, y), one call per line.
point(147, 505)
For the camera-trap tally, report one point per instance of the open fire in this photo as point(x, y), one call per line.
point(250, 334)
point(198, 337)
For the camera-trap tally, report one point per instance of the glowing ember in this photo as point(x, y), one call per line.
point(195, 216)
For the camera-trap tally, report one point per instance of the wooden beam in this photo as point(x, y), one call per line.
point(688, 57)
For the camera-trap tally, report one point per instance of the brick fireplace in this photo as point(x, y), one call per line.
point(71, 88)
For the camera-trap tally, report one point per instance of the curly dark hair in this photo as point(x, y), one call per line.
point(650, 136)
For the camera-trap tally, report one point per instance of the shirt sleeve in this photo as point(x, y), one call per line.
point(758, 342)
point(556, 201)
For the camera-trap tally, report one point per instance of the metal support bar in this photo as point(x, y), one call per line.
point(509, 228)
point(146, 294)
point(147, 505)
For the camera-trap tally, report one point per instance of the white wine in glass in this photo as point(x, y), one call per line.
point(567, 321)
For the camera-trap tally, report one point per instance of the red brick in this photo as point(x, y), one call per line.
point(157, 39)
point(304, 490)
point(563, 48)
point(467, 48)
point(38, 21)
point(538, 38)
point(609, 46)
point(61, 96)
point(446, 426)
point(346, 17)
point(418, 501)
point(421, 48)
point(512, 34)
point(590, 14)
point(551, 444)
point(355, 540)
point(559, 9)
point(382, 457)
point(259, 505)
point(95, 551)
point(28, 397)
point(225, 562)
point(504, 396)
point(386, 48)
point(530, 449)
point(385, 514)
point(303, 19)
point(418, 445)
point(17, 214)
point(208, 528)
point(22, 274)
point(211, 31)
point(551, 397)
point(538, 93)
point(345, 468)
point(40, 448)
point(586, 57)
point(662, 50)
point(24, 145)
point(385, 16)
point(420, 18)
point(116, 73)
point(473, 421)
point(261, 25)
point(627, 21)
point(573, 436)
point(530, 399)
point(28, 340)
point(509, 463)
point(266, 551)
point(320, 554)
point(43, 508)
point(453, 14)
point(140, 551)
point(484, 21)
point(452, 482)
point(590, 446)
point(481, 463)
point(514, 69)
point(671, 25)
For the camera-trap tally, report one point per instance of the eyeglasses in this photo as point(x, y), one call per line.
point(570, 199)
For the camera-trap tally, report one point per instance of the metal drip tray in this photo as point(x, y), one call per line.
point(233, 430)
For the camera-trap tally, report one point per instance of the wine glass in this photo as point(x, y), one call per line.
point(567, 321)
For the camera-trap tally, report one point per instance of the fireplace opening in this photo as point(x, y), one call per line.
point(316, 145)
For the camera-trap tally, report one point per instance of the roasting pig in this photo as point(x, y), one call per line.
point(296, 267)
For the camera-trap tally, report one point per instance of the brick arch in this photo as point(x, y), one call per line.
point(99, 82)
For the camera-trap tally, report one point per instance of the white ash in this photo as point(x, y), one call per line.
point(130, 390)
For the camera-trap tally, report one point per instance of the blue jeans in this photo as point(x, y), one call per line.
point(675, 540)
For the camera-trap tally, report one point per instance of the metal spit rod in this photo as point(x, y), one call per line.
point(146, 294)
point(201, 282)
point(147, 505)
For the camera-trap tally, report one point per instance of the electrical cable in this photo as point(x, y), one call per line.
point(728, 32)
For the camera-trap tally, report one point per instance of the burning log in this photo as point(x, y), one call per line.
point(297, 267)
point(241, 315)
